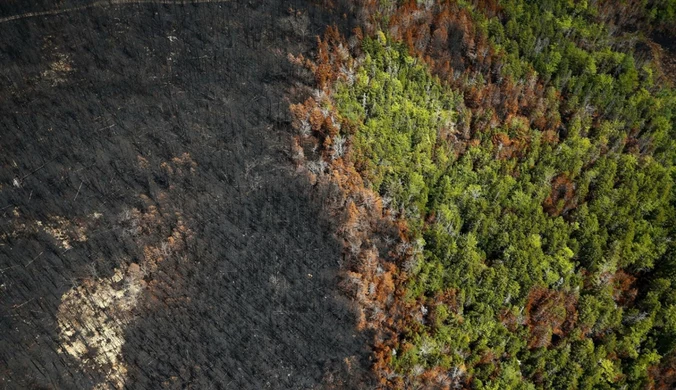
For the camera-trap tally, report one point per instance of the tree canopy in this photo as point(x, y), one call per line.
point(529, 148)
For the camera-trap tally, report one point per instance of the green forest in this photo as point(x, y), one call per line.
point(529, 148)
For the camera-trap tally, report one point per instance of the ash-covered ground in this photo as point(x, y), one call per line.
point(153, 231)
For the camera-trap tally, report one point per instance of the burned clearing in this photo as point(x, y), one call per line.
point(154, 232)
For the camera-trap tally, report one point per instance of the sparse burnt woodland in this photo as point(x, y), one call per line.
point(153, 231)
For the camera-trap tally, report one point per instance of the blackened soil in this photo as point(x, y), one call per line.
point(94, 106)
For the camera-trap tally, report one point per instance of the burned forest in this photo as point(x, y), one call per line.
point(154, 232)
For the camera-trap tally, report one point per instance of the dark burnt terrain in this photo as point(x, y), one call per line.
point(157, 135)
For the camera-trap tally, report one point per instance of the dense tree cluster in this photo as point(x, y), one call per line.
point(529, 150)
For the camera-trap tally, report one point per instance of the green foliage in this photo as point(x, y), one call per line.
point(558, 219)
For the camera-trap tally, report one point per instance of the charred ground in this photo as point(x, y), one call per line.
point(158, 135)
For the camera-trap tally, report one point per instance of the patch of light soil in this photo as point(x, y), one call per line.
point(63, 231)
point(92, 318)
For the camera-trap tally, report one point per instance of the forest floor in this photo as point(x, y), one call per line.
point(153, 230)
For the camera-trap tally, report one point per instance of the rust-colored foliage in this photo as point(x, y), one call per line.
point(504, 146)
point(624, 289)
point(561, 200)
point(329, 59)
point(437, 378)
point(550, 137)
point(548, 313)
point(663, 377)
point(316, 118)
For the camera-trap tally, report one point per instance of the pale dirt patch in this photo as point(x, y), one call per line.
point(92, 318)
point(64, 231)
